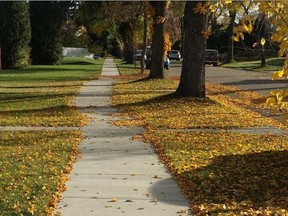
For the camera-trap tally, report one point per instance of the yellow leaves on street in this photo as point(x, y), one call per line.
point(221, 172)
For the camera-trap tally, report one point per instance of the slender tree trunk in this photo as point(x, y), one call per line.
point(230, 51)
point(263, 59)
point(144, 38)
point(157, 61)
point(192, 80)
point(261, 35)
point(182, 36)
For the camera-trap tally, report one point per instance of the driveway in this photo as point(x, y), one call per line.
point(246, 80)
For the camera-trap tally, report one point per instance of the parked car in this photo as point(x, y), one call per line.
point(174, 55)
point(137, 55)
point(96, 56)
point(211, 57)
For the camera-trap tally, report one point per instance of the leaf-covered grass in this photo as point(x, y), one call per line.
point(42, 95)
point(272, 64)
point(32, 169)
point(222, 172)
point(228, 173)
point(34, 164)
point(151, 103)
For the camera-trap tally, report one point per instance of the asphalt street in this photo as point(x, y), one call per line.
point(246, 80)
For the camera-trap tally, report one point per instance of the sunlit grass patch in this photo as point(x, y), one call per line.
point(272, 64)
point(151, 102)
point(33, 165)
point(129, 69)
point(42, 95)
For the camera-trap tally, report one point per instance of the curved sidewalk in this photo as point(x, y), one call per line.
point(116, 175)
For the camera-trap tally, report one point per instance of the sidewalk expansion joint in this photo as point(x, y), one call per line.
point(28, 128)
point(250, 130)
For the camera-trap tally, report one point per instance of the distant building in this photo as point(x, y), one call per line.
point(75, 52)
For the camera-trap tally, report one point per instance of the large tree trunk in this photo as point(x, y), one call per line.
point(126, 31)
point(192, 81)
point(157, 60)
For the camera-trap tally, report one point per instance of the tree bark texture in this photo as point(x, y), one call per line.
point(230, 51)
point(126, 31)
point(157, 60)
point(145, 36)
point(192, 80)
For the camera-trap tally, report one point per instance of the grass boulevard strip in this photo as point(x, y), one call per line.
point(221, 173)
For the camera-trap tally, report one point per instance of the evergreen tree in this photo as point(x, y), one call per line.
point(15, 34)
point(46, 21)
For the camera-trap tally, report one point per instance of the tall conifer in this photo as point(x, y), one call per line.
point(46, 21)
point(15, 34)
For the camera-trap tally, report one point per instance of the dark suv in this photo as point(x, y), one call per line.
point(211, 57)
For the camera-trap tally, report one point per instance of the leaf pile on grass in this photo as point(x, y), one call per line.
point(221, 172)
point(33, 169)
point(42, 95)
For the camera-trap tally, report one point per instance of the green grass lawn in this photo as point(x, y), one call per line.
point(128, 69)
point(34, 164)
point(42, 95)
point(272, 64)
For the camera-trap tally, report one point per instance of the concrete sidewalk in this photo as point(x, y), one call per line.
point(116, 175)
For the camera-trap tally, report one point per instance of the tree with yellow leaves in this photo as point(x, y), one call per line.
point(276, 12)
